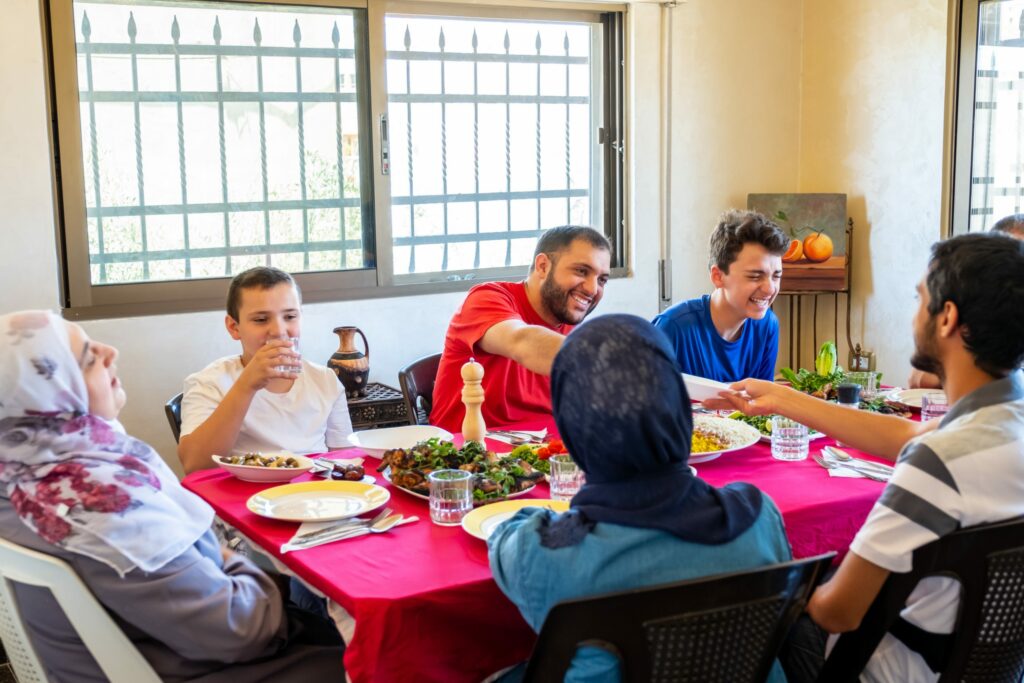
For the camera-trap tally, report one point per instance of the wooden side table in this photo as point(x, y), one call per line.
point(383, 406)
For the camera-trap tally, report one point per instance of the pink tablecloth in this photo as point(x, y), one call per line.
point(425, 604)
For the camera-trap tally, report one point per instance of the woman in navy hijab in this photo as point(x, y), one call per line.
point(642, 518)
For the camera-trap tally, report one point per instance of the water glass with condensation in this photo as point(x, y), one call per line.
point(566, 477)
point(451, 496)
point(868, 382)
point(291, 368)
point(933, 405)
point(789, 439)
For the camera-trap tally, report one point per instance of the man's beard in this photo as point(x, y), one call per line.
point(925, 358)
point(556, 300)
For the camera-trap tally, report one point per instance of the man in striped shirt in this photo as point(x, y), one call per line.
point(964, 470)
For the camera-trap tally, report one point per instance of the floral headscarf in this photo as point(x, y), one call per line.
point(74, 478)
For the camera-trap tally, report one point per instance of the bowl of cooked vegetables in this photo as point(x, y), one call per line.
point(264, 467)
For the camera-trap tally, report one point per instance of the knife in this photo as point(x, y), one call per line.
point(346, 525)
point(339, 535)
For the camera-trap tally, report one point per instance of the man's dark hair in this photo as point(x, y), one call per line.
point(983, 275)
point(1014, 223)
point(736, 228)
point(557, 240)
point(260, 277)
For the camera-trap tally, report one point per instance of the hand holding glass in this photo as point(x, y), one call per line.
point(451, 496)
point(297, 367)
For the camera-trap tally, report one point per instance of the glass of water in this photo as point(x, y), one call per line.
point(298, 363)
point(566, 477)
point(933, 405)
point(451, 496)
point(789, 439)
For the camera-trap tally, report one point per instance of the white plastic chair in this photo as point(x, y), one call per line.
point(115, 654)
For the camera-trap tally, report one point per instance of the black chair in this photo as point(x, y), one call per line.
point(988, 640)
point(172, 409)
point(417, 382)
point(724, 628)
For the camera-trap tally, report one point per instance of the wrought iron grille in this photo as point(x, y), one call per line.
point(997, 163)
point(474, 179)
point(159, 211)
point(217, 138)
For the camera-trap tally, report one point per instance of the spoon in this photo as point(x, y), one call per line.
point(843, 456)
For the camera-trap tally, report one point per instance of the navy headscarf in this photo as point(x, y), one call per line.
point(623, 412)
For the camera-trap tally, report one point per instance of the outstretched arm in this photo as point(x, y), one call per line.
point(532, 346)
point(881, 435)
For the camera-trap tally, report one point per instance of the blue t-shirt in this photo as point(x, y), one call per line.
point(616, 558)
point(701, 351)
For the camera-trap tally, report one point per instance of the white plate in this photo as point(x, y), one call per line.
point(911, 398)
point(318, 501)
point(701, 389)
point(267, 474)
point(375, 441)
point(482, 521)
point(386, 473)
point(745, 435)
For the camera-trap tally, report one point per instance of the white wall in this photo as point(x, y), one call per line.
point(871, 126)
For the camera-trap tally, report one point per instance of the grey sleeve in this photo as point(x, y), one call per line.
point(195, 606)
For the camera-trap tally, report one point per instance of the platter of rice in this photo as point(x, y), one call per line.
point(714, 435)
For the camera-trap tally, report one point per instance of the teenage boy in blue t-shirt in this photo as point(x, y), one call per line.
point(732, 333)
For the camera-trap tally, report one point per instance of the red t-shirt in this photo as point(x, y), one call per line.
point(512, 394)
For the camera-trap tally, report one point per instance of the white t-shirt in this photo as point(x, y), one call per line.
point(308, 418)
point(968, 472)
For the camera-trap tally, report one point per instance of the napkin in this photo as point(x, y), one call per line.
point(538, 433)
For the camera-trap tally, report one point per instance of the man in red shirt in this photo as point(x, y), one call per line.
point(514, 329)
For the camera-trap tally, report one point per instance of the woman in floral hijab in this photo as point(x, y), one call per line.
point(74, 485)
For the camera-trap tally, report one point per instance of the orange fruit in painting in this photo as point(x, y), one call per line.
point(818, 247)
point(794, 253)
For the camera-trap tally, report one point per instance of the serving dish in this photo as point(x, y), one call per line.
point(736, 434)
point(262, 474)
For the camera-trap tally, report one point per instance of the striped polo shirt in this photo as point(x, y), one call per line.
point(967, 472)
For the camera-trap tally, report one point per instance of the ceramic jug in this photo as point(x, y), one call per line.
point(351, 366)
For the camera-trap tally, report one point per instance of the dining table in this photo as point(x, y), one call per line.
point(423, 598)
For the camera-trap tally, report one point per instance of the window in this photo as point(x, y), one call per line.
point(197, 139)
point(989, 132)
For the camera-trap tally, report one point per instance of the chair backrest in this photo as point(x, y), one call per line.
point(988, 560)
point(173, 411)
point(417, 382)
point(720, 628)
point(115, 654)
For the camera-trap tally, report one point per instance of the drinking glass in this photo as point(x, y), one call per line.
point(451, 496)
point(868, 382)
point(789, 439)
point(295, 347)
point(566, 477)
point(933, 405)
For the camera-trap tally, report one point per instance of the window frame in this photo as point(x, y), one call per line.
point(961, 93)
point(82, 300)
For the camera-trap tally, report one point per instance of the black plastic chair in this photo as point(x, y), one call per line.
point(417, 382)
point(724, 628)
point(172, 409)
point(988, 642)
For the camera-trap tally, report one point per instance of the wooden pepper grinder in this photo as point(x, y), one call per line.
point(473, 427)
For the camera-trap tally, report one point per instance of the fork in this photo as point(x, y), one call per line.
point(355, 523)
point(836, 465)
point(516, 438)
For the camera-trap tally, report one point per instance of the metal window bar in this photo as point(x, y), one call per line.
point(90, 96)
point(218, 51)
point(443, 99)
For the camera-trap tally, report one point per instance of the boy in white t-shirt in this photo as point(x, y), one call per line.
point(268, 398)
